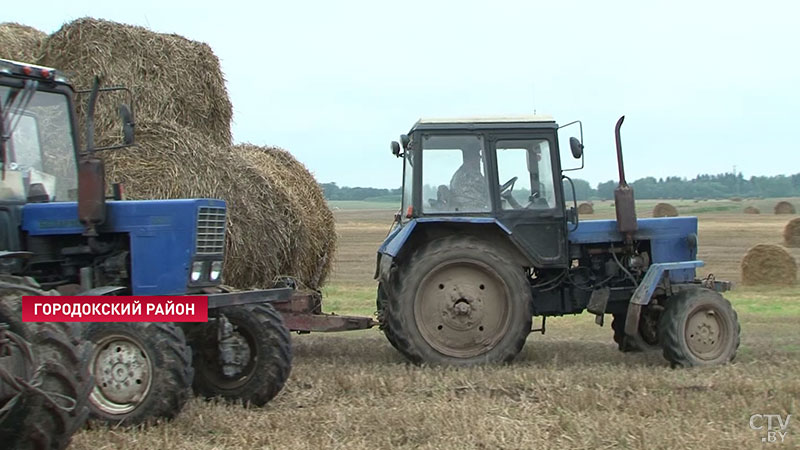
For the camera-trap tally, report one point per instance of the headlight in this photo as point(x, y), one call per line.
point(197, 270)
point(216, 270)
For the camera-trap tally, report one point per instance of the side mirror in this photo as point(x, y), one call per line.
point(396, 148)
point(127, 124)
point(576, 147)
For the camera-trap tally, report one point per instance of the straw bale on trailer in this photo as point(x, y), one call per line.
point(174, 79)
point(21, 42)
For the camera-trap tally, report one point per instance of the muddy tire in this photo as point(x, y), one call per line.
point(143, 371)
point(618, 326)
point(381, 303)
point(699, 328)
point(35, 422)
point(265, 352)
point(460, 301)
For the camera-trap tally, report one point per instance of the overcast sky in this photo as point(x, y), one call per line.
point(705, 85)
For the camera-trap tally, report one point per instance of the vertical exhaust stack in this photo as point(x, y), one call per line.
point(624, 203)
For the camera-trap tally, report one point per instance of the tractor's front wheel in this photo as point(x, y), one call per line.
point(246, 355)
point(699, 328)
point(143, 371)
point(460, 301)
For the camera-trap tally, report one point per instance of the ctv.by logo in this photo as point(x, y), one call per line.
point(774, 424)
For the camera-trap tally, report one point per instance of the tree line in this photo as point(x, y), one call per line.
point(725, 185)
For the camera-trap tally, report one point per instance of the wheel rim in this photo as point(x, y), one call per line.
point(123, 374)
point(706, 333)
point(462, 308)
point(213, 370)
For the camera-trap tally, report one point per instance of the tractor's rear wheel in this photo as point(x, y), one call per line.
point(699, 328)
point(259, 359)
point(142, 371)
point(44, 417)
point(461, 301)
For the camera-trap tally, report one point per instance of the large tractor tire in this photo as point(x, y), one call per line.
point(699, 328)
point(142, 370)
point(52, 359)
point(382, 301)
point(258, 360)
point(460, 301)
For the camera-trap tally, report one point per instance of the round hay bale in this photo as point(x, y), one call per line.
point(736, 199)
point(21, 42)
point(665, 210)
point(173, 79)
point(314, 238)
point(752, 210)
point(791, 233)
point(785, 208)
point(171, 162)
point(585, 208)
point(768, 264)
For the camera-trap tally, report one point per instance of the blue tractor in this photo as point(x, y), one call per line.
point(487, 239)
point(59, 234)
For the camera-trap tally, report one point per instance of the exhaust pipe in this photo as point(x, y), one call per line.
point(624, 202)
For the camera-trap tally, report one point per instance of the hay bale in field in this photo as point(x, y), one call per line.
point(173, 78)
point(585, 208)
point(752, 210)
point(770, 265)
point(314, 237)
point(665, 210)
point(170, 162)
point(21, 42)
point(784, 208)
point(736, 199)
point(791, 233)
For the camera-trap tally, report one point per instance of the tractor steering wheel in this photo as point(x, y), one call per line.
point(507, 186)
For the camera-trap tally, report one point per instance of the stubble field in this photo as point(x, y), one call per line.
point(569, 388)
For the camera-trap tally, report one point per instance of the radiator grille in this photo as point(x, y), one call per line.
point(210, 231)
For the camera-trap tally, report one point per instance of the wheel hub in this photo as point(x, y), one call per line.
point(462, 309)
point(122, 374)
point(704, 334)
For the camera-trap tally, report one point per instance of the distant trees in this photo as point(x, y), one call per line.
point(723, 185)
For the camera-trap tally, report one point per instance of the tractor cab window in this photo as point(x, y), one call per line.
point(525, 171)
point(454, 174)
point(40, 149)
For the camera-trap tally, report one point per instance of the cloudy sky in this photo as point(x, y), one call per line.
point(705, 85)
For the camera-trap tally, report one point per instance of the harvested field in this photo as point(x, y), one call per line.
point(20, 42)
point(355, 391)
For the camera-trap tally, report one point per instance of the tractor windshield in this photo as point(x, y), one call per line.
point(39, 148)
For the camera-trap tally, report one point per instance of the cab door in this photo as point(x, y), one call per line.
point(533, 208)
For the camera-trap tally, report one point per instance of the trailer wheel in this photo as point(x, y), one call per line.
point(699, 328)
point(381, 303)
point(461, 301)
point(33, 420)
point(260, 359)
point(142, 371)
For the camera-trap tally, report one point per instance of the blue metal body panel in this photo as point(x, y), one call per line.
point(644, 292)
point(672, 239)
point(399, 235)
point(161, 232)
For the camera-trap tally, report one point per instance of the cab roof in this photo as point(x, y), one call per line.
point(486, 122)
point(26, 70)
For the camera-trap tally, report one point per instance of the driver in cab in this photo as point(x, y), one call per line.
point(468, 186)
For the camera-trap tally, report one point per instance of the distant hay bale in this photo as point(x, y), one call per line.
point(585, 208)
point(736, 199)
point(665, 210)
point(785, 208)
point(173, 79)
point(752, 210)
point(314, 238)
point(21, 42)
point(791, 233)
point(767, 264)
point(170, 162)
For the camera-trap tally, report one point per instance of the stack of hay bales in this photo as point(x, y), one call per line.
point(184, 148)
point(20, 42)
point(585, 208)
point(752, 210)
point(767, 264)
point(784, 208)
point(791, 233)
point(665, 210)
